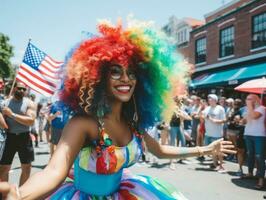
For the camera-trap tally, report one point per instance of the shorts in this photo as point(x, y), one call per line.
point(240, 141)
point(208, 139)
point(20, 143)
point(56, 135)
point(47, 127)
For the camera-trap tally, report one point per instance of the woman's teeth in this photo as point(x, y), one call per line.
point(123, 88)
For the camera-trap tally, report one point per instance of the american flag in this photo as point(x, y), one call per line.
point(39, 71)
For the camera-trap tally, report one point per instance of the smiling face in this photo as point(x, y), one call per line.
point(121, 82)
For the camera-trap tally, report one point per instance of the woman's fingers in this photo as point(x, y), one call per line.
point(228, 151)
point(228, 146)
point(224, 155)
point(220, 140)
point(4, 187)
point(226, 142)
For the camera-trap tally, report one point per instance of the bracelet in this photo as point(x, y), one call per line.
point(13, 116)
point(200, 151)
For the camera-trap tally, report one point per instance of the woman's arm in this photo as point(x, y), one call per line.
point(3, 122)
point(182, 114)
point(164, 151)
point(42, 183)
point(27, 119)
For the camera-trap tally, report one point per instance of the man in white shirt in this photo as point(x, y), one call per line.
point(214, 116)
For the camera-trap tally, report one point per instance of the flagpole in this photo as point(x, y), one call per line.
point(14, 81)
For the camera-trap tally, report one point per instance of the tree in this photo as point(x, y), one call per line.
point(6, 52)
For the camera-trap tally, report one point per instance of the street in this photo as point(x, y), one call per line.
point(193, 179)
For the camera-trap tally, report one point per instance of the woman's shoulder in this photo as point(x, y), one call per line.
point(87, 123)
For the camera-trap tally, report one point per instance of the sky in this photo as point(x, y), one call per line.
point(55, 26)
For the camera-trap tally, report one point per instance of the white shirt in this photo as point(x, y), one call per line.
point(256, 127)
point(214, 129)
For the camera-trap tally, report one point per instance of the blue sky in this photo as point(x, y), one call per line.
point(56, 25)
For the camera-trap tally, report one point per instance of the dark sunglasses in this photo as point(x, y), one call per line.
point(116, 72)
point(21, 88)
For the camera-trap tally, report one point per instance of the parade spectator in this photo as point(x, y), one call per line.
point(222, 102)
point(47, 123)
point(187, 108)
point(176, 135)
point(164, 128)
point(41, 120)
point(255, 138)
point(201, 127)
point(33, 128)
point(214, 117)
point(240, 142)
point(195, 111)
point(19, 113)
point(59, 115)
point(229, 110)
point(235, 133)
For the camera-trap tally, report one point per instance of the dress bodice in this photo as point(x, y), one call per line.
point(104, 163)
point(111, 159)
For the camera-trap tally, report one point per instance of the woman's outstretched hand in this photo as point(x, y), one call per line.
point(9, 192)
point(222, 148)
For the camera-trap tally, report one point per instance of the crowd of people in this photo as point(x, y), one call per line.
point(197, 122)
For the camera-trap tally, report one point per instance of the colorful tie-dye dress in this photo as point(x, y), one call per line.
point(99, 173)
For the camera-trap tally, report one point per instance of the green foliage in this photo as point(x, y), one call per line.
point(6, 52)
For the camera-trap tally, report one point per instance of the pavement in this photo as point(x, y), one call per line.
point(193, 178)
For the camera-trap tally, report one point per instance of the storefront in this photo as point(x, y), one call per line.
point(224, 82)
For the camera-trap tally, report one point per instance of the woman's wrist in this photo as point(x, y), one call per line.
point(207, 150)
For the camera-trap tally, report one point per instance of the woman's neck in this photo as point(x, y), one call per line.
point(116, 112)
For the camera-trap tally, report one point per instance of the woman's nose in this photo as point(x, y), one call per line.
point(124, 77)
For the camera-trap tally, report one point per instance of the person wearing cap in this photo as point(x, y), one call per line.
point(214, 116)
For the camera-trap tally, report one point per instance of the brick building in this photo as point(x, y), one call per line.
point(230, 48)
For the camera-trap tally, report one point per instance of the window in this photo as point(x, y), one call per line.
point(182, 36)
point(227, 41)
point(259, 31)
point(200, 55)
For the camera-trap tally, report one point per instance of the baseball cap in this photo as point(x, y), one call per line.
point(213, 96)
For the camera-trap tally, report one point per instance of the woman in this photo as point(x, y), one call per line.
point(119, 85)
point(201, 127)
point(255, 138)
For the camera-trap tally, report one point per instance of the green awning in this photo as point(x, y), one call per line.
point(229, 77)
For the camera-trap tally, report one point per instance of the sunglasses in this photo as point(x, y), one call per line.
point(21, 88)
point(116, 72)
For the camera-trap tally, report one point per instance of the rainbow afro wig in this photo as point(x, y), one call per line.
point(161, 72)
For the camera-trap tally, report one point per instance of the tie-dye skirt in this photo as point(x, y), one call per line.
point(132, 187)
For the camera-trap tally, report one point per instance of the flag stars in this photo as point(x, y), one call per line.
point(34, 56)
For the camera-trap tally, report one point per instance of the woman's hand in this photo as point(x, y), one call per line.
point(222, 148)
point(9, 192)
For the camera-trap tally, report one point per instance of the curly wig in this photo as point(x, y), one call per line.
point(161, 72)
